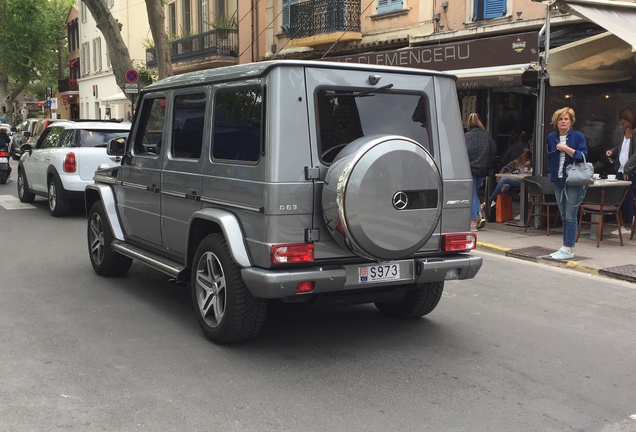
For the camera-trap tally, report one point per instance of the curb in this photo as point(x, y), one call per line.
point(568, 264)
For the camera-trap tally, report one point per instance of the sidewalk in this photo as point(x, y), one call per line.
point(610, 259)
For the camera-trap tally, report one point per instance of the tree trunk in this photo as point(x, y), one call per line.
point(156, 19)
point(111, 30)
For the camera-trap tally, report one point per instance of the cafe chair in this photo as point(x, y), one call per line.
point(542, 201)
point(602, 202)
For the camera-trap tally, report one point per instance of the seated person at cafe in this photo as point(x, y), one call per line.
point(515, 149)
point(519, 165)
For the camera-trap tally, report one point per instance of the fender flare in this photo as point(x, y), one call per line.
point(104, 193)
point(229, 225)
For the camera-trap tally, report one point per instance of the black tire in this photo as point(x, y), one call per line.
point(226, 310)
point(23, 188)
point(105, 261)
point(3, 177)
point(58, 203)
point(415, 303)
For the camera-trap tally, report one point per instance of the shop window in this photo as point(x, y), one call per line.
point(488, 9)
point(389, 5)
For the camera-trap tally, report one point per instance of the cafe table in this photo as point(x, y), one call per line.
point(522, 195)
point(604, 183)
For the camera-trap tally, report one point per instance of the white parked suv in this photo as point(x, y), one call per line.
point(63, 161)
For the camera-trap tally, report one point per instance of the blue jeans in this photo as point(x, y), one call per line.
point(505, 185)
point(476, 206)
point(627, 208)
point(569, 199)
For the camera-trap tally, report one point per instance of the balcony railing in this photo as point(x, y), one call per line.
point(315, 17)
point(67, 84)
point(214, 43)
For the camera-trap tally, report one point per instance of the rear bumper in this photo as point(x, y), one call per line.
point(268, 283)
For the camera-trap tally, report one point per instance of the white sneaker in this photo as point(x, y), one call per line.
point(624, 231)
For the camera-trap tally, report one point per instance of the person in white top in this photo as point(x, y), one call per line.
point(624, 158)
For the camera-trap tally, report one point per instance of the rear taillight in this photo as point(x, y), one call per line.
point(70, 164)
point(294, 253)
point(3, 153)
point(459, 242)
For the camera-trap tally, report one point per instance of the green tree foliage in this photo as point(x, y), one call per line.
point(29, 34)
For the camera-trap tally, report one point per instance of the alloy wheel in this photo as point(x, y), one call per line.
point(211, 289)
point(96, 238)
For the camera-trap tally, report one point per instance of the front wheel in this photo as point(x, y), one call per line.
point(3, 176)
point(105, 261)
point(415, 303)
point(23, 188)
point(226, 310)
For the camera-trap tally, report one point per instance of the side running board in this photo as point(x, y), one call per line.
point(158, 262)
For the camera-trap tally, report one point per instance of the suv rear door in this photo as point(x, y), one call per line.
point(350, 108)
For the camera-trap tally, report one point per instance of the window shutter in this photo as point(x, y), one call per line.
point(286, 21)
point(383, 6)
point(494, 8)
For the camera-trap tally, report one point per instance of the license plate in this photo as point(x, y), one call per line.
point(379, 272)
point(4, 160)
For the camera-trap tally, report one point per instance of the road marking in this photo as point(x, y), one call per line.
point(9, 202)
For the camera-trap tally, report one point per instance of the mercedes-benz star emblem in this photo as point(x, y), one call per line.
point(400, 200)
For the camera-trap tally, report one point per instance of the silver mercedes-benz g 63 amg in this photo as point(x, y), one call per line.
point(301, 181)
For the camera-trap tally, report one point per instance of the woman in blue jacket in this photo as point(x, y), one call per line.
point(564, 146)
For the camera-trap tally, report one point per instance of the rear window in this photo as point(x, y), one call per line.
point(99, 138)
point(345, 115)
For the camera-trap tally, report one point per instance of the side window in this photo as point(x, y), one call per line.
point(237, 125)
point(488, 9)
point(389, 5)
point(149, 133)
point(189, 117)
point(51, 138)
point(68, 138)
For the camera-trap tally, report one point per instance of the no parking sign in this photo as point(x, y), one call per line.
point(132, 76)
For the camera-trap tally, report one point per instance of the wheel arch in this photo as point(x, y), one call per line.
point(211, 220)
point(51, 171)
point(94, 193)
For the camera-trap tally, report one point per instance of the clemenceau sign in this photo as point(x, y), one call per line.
point(475, 53)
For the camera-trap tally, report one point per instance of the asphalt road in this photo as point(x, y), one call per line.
point(523, 347)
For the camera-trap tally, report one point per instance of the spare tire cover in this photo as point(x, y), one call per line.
point(382, 197)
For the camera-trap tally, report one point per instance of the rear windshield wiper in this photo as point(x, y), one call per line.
point(368, 92)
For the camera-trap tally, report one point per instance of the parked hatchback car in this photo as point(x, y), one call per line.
point(22, 133)
point(64, 159)
point(291, 181)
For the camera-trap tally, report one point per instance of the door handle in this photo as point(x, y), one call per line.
point(193, 196)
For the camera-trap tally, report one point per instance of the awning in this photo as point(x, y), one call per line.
point(40, 104)
point(119, 97)
point(490, 77)
point(617, 17)
point(598, 59)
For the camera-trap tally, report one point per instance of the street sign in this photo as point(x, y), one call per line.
point(132, 76)
point(131, 88)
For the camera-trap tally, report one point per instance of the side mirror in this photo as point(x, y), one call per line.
point(26, 148)
point(116, 147)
